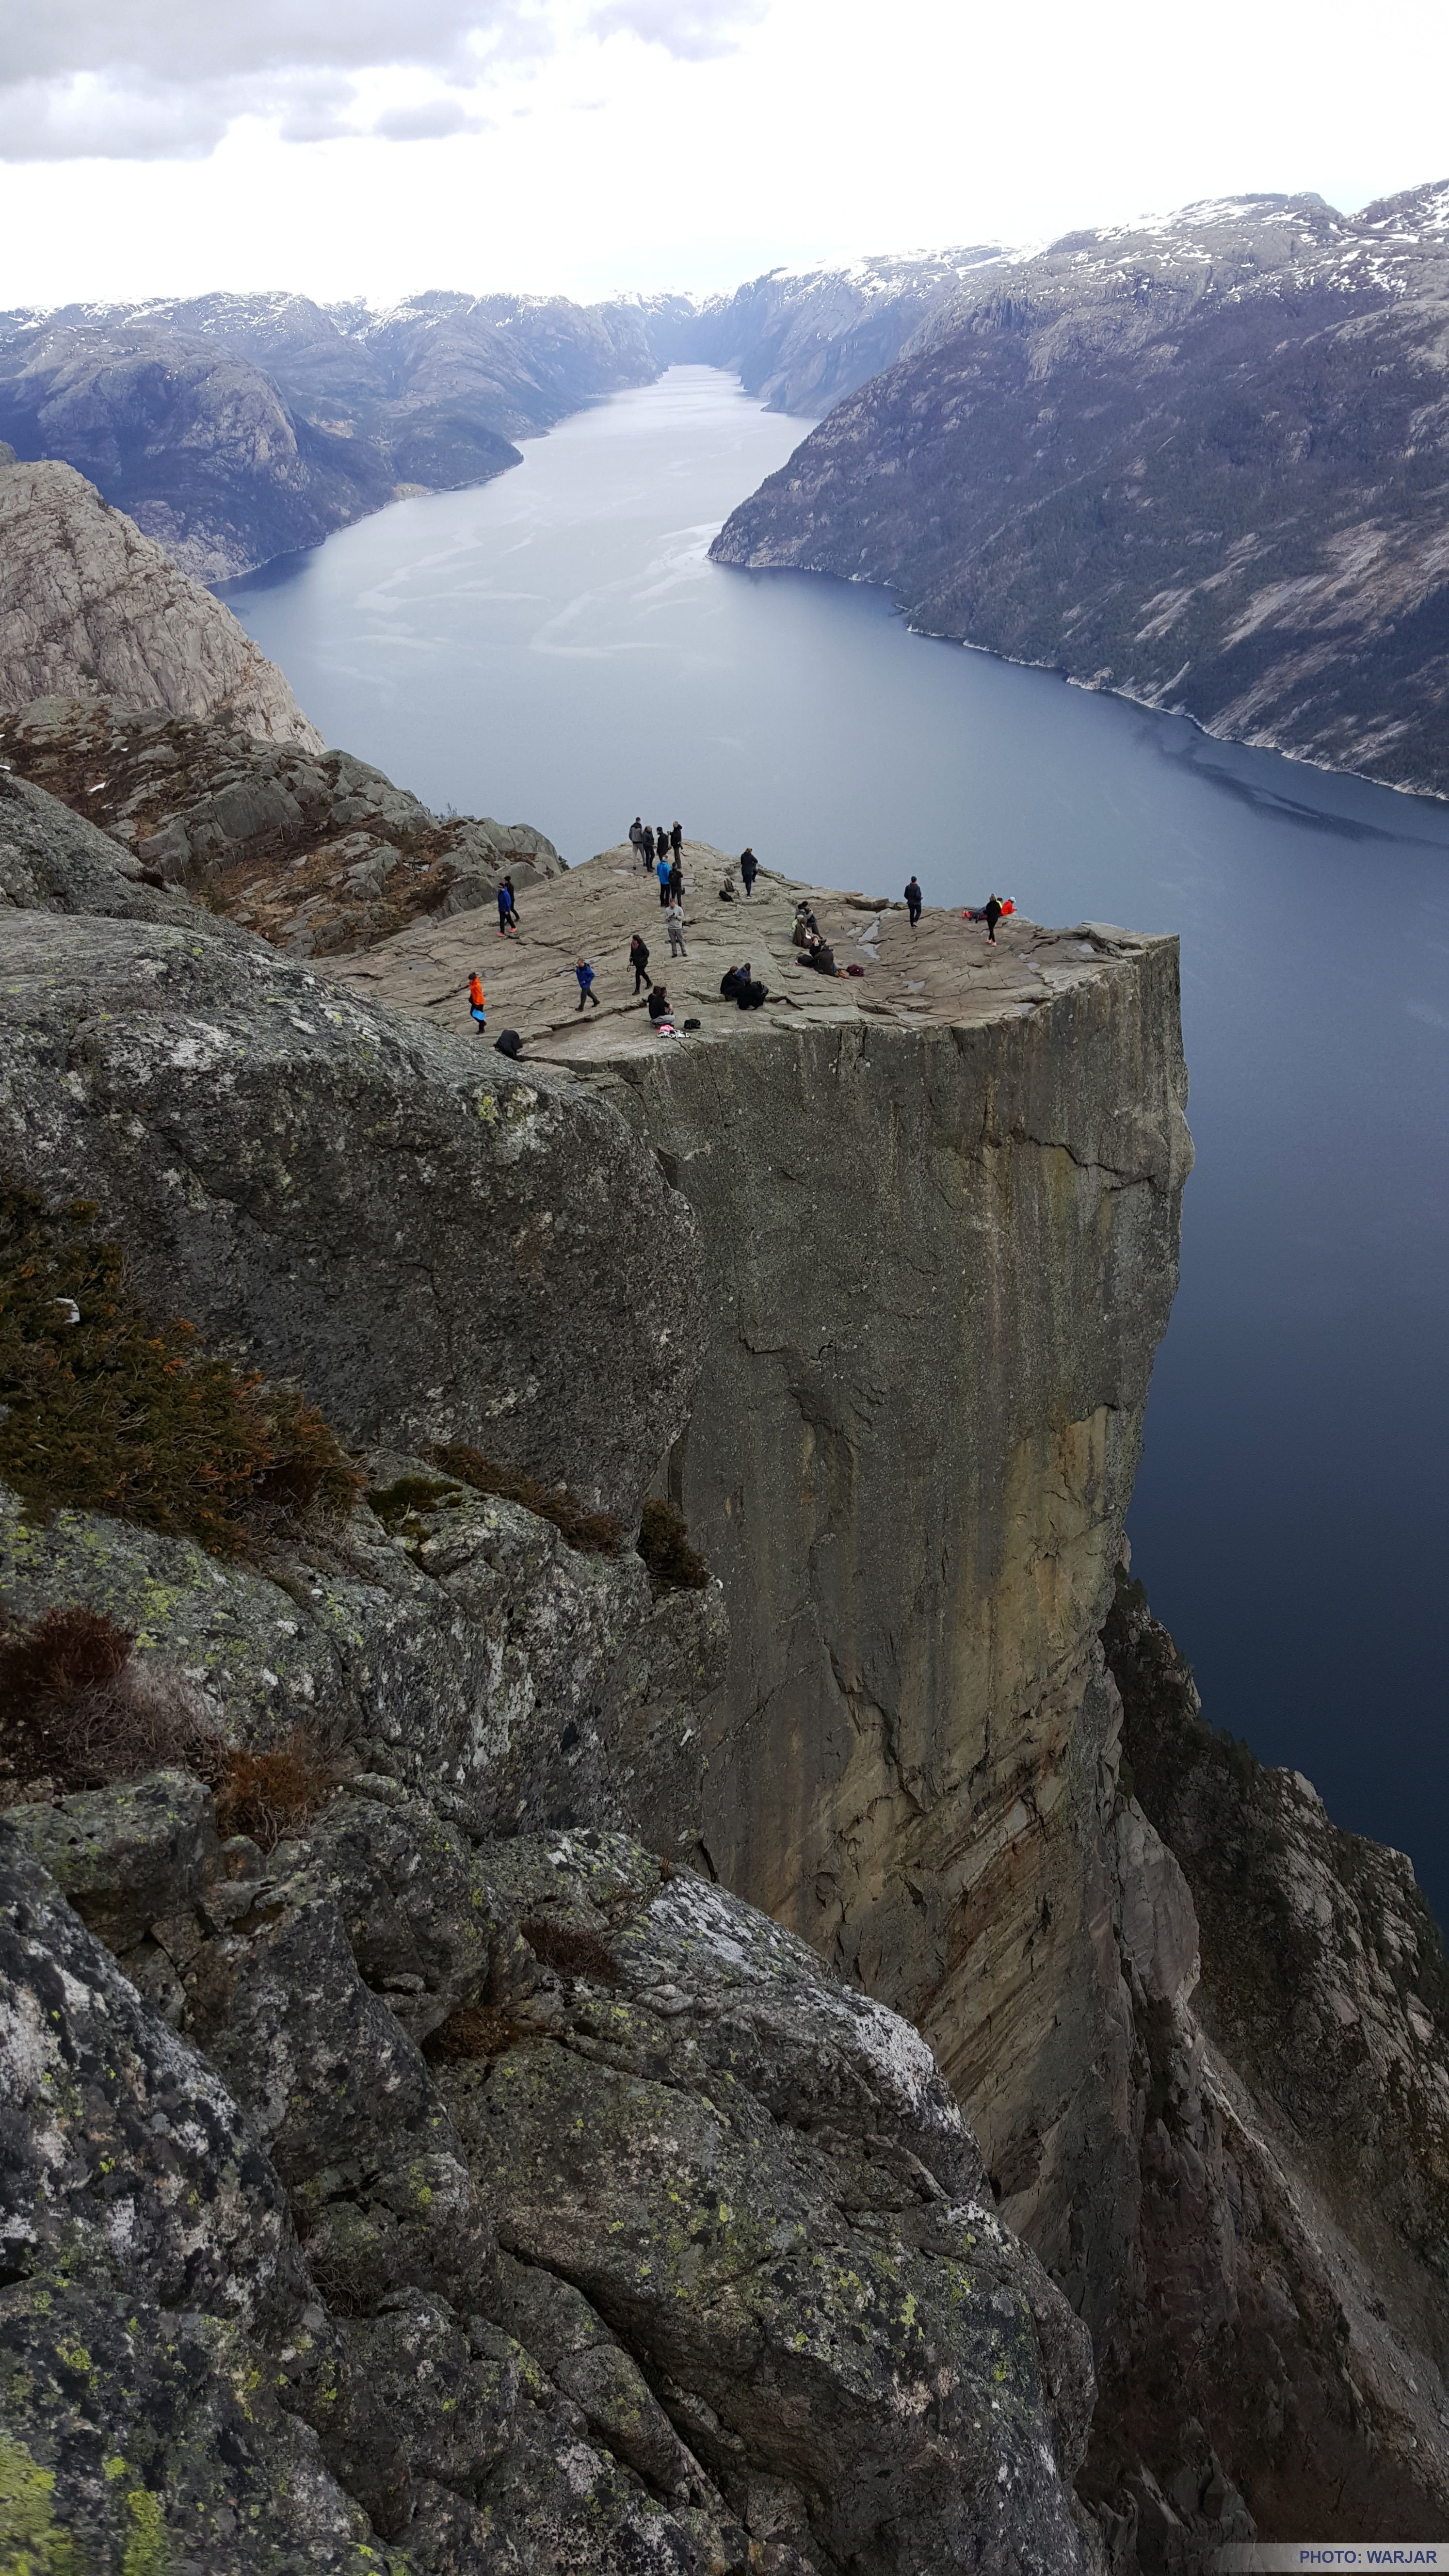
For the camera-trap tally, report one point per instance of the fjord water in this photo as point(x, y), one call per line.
point(554, 647)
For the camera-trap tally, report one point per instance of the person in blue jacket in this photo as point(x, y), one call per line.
point(662, 866)
point(585, 973)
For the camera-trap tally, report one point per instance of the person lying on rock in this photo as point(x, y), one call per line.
point(639, 960)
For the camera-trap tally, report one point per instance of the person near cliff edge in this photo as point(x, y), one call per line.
point(659, 1009)
point(913, 901)
point(639, 960)
point(749, 869)
point(647, 845)
point(676, 880)
point(991, 916)
point(636, 838)
point(674, 922)
point(662, 867)
point(477, 1007)
point(584, 974)
point(676, 839)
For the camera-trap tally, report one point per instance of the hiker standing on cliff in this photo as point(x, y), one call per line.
point(585, 974)
point(676, 880)
point(676, 838)
point(477, 1007)
point(507, 909)
point(662, 867)
point(639, 960)
point(991, 916)
point(636, 838)
point(647, 844)
point(749, 869)
point(674, 921)
point(913, 901)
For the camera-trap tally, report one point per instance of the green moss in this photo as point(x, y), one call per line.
point(145, 2552)
point(118, 1412)
point(32, 2542)
point(395, 1504)
point(594, 1533)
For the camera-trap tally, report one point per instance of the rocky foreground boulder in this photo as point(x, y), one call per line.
point(315, 850)
point(90, 607)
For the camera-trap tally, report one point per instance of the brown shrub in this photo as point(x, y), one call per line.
point(120, 1413)
point(571, 1949)
point(79, 1712)
point(271, 1795)
point(664, 1545)
point(593, 1533)
point(474, 2030)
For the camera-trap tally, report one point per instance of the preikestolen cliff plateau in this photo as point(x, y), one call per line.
point(723, 1253)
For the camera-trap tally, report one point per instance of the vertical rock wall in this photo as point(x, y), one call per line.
point(940, 1261)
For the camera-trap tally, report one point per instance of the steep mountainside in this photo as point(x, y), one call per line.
point(804, 338)
point(937, 1207)
point(1204, 463)
point(89, 607)
point(403, 2162)
point(237, 428)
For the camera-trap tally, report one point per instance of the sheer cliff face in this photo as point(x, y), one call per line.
point(90, 607)
point(1201, 462)
point(941, 1263)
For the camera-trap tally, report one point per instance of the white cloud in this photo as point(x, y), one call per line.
point(167, 79)
point(694, 31)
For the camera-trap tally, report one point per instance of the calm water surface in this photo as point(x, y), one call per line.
point(554, 647)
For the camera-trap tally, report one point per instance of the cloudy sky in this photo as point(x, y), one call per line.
point(377, 146)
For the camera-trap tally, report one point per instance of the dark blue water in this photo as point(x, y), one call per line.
point(554, 648)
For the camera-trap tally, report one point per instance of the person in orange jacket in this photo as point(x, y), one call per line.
point(477, 1005)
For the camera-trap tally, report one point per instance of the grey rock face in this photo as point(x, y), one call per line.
point(91, 607)
point(624, 2384)
point(315, 851)
point(1198, 463)
point(1284, 2327)
point(442, 1280)
point(909, 1459)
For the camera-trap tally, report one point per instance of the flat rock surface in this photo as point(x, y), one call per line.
point(944, 971)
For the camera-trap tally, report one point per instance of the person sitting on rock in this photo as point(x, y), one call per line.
point(729, 984)
point(639, 960)
point(659, 1005)
point(509, 1043)
point(749, 991)
point(822, 956)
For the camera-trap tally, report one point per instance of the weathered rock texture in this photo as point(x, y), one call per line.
point(1284, 2331)
point(402, 1223)
point(91, 607)
point(804, 338)
point(1201, 462)
point(315, 851)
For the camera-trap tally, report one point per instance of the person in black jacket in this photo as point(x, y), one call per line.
point(991, 916)
point(749, 869)
point(639, 960)
point(649, 845)
point(508, 1043)
point(659, 1004)
point(676, 838)
point(913, 901)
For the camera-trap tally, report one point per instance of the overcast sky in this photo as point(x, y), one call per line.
point(372, 147)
